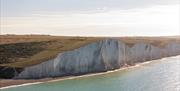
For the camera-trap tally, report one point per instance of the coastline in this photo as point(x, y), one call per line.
point(10, 83)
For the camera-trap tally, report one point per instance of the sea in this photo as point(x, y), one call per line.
point(156, 75)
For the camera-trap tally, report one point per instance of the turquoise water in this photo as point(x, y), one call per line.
point(163, 75)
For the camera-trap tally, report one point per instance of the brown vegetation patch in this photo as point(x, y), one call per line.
point(20, 51)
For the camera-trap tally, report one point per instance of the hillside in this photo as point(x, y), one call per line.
point(20, 51)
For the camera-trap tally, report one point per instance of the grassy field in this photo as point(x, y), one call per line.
point(20, 51)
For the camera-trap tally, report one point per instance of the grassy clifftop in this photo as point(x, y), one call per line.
point(20, 51)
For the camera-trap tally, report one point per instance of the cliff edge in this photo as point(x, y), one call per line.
point(104, 55)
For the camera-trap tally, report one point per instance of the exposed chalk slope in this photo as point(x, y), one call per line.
point(100, 56)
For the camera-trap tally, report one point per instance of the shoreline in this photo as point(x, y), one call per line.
point(10, 83)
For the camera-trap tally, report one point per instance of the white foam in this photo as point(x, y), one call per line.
point(25, 84)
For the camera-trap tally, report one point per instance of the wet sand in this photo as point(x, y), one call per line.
point(11, 82)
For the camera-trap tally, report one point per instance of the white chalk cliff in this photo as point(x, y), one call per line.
point(100, 56)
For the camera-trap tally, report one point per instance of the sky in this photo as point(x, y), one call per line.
point(91, 17)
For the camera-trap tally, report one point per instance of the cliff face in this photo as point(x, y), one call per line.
point(100, 56)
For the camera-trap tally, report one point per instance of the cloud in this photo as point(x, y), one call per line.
point(156, 20)
point(29, 7)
